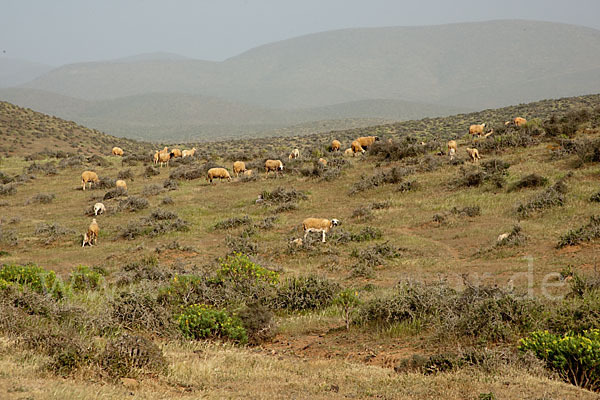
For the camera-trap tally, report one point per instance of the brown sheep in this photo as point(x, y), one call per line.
point(175, 153)
point(164, 158)
point(239, 167)
point(248, 172)
point(473, 154)
point(215, 173)
point(273, 165)
point(356, 147)
point(323, 162)
point(294, 154)
point(452, 148)
point(348, 152)
point(188, 153)
point(367, 141)
point(155, 158)
point(89, 176)
point(121, 184)
point(117, 151)
point(318, 225)
point(476, 130)
point(336, 145)
point(91, 236)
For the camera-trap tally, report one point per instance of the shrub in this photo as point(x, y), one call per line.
point(468, 211)
point(529, 181)
point(86, 278)
point(285, 207)
point(125, 174)
point(157, 223)
point(151, 171)
point(48, 168)
point(398, 150)
point(200, 321)
point(36, 278)
point(394, 175)
point(41, 198)
point(52, 232)
point(239, 267)
point(104, 182)
point(281, 195)
point(98, 160)
point(554, 196)
point(347, 300)
point(187, 173)
point(305, 293)
point(376, 254)
point(115, 193)
point(8, 190)
point(167, 201)
point(133, 204)
point(8, 236)
point(233, 222)
point(170, 184)
point(595, 197)
point(257, 319)
point(362, 212)
point(140, 309)
point(585, 233)
point(266, 223)
point(241, 244)
point(574, 357)
point(152, 190)
point(514, 238)
point(124, 354)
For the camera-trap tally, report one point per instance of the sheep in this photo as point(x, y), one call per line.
point(318, 225)
point(348, 152)
point(452, 147)
point(476, 129)
point(336, 145)
point(121, 184)
point(164, 158)
point(175, 153)
point(91, 236)
point(297, 242)
point(117, 151)
point(188, 153)
point(473, 154)
point(89, 176)
point(367, 141)
point(323, 162)
point(294, 154)
point(273, 165)
point(502, 237)
point(155, 158)
point(239, 167)
point(518, 121)
point(248, 172)
point(99, 208)
point(215, 173)
point(356, 147)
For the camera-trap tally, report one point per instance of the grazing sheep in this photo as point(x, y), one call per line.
point(348, 152)
point(175, 153)
point(518, 121)
point(273, 165)
point(117, 151)
point(188, 153)
point(215, 173)
point(366, 141)
point(336, 145)
point(473, 154)
point(89, 176)
point(155, 158)
point(294, 154)
point(476, 130)
point(121, 184)
point(99, 208)
point(489, 133)
point(318, 225)
point(239, 167)
point(297, 242)
point(248, 172)
point(164, 158)
point(356, 147)
point(502, 237)
point(452, 148)
point(91, 236)
point(323, 162)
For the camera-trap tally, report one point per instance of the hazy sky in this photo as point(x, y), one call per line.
point(64, 31)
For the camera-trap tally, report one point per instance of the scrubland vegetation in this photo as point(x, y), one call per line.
point(445, 278)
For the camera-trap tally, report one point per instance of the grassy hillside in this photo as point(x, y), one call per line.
point(424, 64)
point(157, 116)
point(24, 132)
point(412, 296)
point(15, 72)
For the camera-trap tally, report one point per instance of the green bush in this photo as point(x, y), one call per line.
point(85, 278)
point(585, 233)
point(36, 278)
point(200, 321)
point(239, 267)
point(305, 293)
point(576, 358)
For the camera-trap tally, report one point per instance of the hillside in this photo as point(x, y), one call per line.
point(15, 72)
point(203, 290)
point(428, 64)
point(24, 132)
point(178, 116)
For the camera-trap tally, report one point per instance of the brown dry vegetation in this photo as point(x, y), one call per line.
point(311, 354)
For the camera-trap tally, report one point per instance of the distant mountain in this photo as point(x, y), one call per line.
point(425, 64)
point(15, 72)
point(157, 56)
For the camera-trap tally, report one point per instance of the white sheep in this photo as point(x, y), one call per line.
point(452, 147)
point(238, 168)
point(294, 154)
point(117, 151)
point(476, 129)
point(318, 225)
point(99, 208)
point(502, 237)
point(215, 173)
point(473, 154)
point(297, 242)
point(348, 152)
point(188, 153)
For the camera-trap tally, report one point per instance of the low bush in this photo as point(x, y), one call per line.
point(151, 171)
point(595, 197)
point(257, 319)
point(8, 236)
point(574, 357)
point(529, 181)
point(514, 238)
point(115, 193)
point(585, 233)
point(128, 354)
point(241, 244)
point(133, 204)
point(86, 278)
point(184, 172)
point(41, 198)
point(239, 268)
point(281, 195)
point(8, 190)
point(152, 190)
point(233, 222)
point(50, 233)
point(48, 168)
point(125, 174)
point(200, 321)
point(305, 293)
point(36, 278)
point(554, 196)
point(392, 176)
point(139, 309)
point(170, 184)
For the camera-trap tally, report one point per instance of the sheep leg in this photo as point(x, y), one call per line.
point(305, 235)
point(323, 236)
